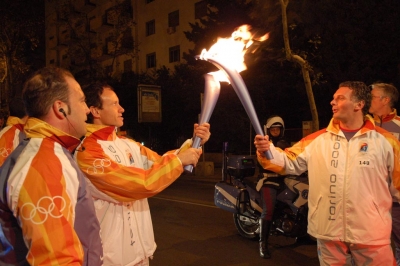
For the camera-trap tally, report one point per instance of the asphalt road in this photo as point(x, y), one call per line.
point(191, 230)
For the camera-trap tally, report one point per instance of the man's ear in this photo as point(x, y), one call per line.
point(94, 111)
point(386, 100)
point(56, 109)
point(360, 105)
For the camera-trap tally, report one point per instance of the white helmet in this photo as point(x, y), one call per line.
point(274, 121)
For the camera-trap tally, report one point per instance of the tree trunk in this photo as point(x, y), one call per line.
point(304, 67)
point(8, 83)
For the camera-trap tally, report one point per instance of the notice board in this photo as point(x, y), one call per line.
point(149, 103)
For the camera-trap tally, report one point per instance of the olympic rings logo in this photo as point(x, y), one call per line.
point(98, 166)
point(45, 206)
point(5, 152)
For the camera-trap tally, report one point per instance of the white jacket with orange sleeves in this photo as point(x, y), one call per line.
point(122, 174)
point(350, 181)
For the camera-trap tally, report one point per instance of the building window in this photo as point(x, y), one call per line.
point(92, 20)
point(111, 16)
point(173, 19)
point(110, 45)
point(128, 66)
point(150, 27)
point(174, 54)
point(151, 60)
point(200, 9)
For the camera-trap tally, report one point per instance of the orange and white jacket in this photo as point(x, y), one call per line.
point(10, 137)
point(123, 174)
point(47, 194)
point(390, 122)
point(349, 181)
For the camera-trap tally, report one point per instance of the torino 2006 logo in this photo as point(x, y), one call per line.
point(44, 208)
point(98, 166)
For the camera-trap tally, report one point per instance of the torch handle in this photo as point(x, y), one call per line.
point(188, 168)
point(196, 144)
point(211, 95)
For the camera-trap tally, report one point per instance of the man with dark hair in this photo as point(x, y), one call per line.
point(384, 98)
point(351, 166)
point(122, 174)
point(47, 213)
point(13, 133)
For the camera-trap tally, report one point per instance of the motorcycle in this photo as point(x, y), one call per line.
point(237, 193)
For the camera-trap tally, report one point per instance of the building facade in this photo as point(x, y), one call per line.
point(119, 35)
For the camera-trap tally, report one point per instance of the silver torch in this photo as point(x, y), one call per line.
point(211, 97)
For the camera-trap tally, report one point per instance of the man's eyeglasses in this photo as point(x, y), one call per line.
point(371, 87)
point(380, 97)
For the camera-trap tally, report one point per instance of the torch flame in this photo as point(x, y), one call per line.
point(228, 55)
point(231, 51)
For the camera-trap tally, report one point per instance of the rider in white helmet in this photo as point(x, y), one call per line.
point(275, 129)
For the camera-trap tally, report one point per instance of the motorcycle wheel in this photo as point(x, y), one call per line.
point(247, 227)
